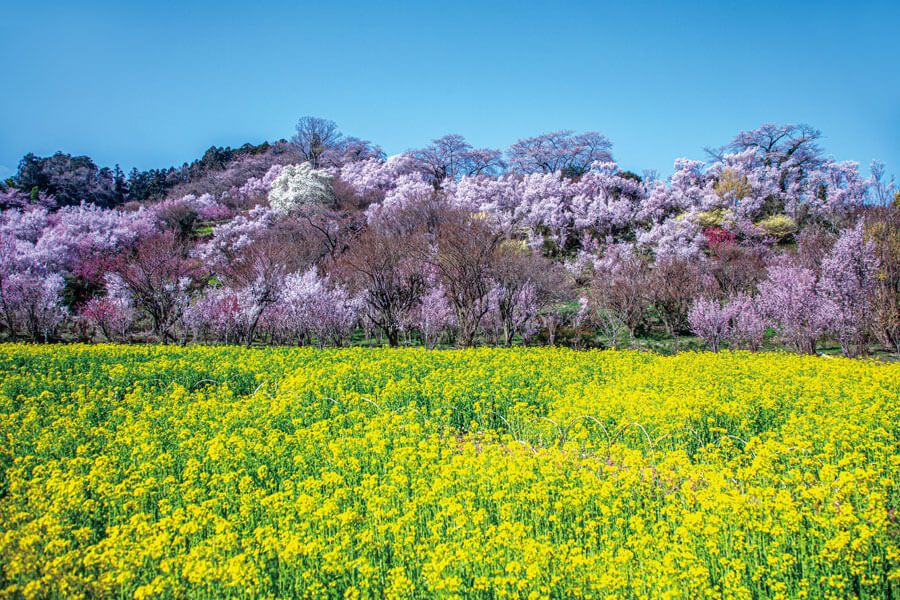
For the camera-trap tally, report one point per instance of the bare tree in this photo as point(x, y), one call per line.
point(883, 229)
point(158, 274)
point(314, 137)
point(736, 268)
point(389, 276)
point(516, 269)
point(673, 284)
point(617, 297)
point(462, 256)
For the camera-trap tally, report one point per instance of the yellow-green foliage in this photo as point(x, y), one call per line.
point(711, 218)
point(779, 226)
point(152, 472)
point(734, 184)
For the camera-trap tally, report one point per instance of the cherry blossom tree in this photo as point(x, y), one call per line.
point(848, 286)
point(748, 322)
point(560, 151)
point(222, 314)
point(312, 306)
point(710, 320)
point(790, 298)
point(373, 178)
point(433, 316)
point(32, 300)
point(451, 157)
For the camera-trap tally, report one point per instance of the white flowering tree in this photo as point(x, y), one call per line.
point(300, 188)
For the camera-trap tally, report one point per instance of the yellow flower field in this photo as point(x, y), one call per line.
point(161, 472)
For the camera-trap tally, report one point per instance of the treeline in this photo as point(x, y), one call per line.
point(323, 240)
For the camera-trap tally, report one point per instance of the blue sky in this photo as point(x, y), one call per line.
point(155, 84)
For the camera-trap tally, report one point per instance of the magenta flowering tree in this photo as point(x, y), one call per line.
point(848, 286)
point(111, 315)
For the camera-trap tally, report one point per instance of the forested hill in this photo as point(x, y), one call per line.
point(323, 239)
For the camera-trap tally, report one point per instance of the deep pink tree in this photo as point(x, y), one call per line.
point(111, 315)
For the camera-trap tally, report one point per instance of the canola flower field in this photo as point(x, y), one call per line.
point(162, 472)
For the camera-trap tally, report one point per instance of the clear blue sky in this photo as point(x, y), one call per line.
point(152, 84)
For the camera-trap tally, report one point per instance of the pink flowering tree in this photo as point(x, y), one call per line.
point(373, 178)
point(434, 317)
point(560, 151)
point(32, 301)
point(848, 287)
point(710, 320)
point(790, 298)
point(111, 315)
point(450, 157)
point(312, 307)
point(747, 323)
point(220, 314)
